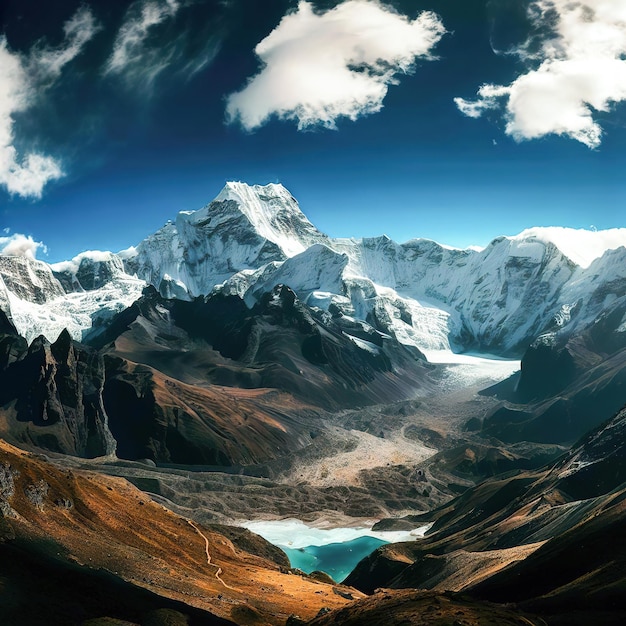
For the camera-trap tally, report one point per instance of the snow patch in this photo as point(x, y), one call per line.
point(127, 253)
point(272, 210)
point(77, 312)
point(530, 250)
point(576, 466)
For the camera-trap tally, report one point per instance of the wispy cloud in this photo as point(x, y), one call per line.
point(46, 63)
point(576, 68)
point(319, 67)
point(130, 45)
point(20, 245)
point(145, 45)
point(20, 77)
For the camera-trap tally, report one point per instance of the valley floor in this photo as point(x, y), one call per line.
point(393, 465)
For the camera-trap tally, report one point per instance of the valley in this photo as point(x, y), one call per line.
point(239, 368)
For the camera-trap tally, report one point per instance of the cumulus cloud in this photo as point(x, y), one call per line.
point(318, 67)
point(20, 77)
point(577, 67)
point(20, 245)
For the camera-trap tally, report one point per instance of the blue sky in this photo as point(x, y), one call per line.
point(140, 109)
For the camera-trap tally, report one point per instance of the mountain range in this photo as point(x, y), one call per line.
point(251, 238)
point(239, 363)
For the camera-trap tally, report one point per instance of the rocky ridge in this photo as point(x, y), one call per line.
point(546, 538)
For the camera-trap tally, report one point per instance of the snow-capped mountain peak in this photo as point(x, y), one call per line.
point(88, 270)
point(578, 244)
point(244, 228)
point(271, 211)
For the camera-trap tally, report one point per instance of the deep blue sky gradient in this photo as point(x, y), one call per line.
point(419, 168)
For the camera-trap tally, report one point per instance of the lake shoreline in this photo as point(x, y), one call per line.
point(334, 550)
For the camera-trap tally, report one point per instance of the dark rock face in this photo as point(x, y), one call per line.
point(597, 463)
point(325, 343)
point(378, 569)
point(569, 384)
point(12, 346)
point(207, 381)
point(90, 273)
point(224, 322)
point(580, 571)
point(147, 422)
point(577, 505)
point(546, 370)
point(555, 361)
point(53, 395)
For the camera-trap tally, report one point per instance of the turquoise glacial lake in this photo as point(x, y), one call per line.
point(336, 559)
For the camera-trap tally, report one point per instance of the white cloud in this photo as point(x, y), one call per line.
point(147, 44)
point(318, 67)
point(47, 62)
point(20, 245)
point(130, 41)
point(578, 69)
point(132, 56)
point(26, 176)
point(20, 76)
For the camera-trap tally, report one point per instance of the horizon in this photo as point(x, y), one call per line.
point(595, 241)
point(580, 245)
point(464, 123)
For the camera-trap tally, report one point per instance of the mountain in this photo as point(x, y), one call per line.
point(243, 229)
point(332, 323)
point(497, 300)
point(220, 384)
point(582, 566)
point(77, 295)
point(51, 396)
point(571, 379)
point(80, 548)
point(204, 382)
point(549, 539)
point(252, 238)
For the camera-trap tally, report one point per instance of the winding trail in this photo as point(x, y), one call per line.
point(219, 570)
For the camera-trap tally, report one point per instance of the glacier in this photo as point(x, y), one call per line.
point(494, 300)
point(42, 299)
point(296, 534)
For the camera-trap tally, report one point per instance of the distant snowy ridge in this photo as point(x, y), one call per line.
point(579, 245)
point(43, 300)
point(250, 238)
